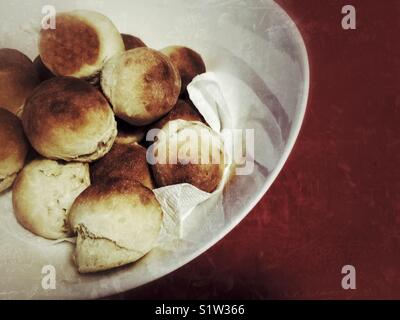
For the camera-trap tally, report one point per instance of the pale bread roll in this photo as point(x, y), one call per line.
point(117, 222)
point(43, 194)
point(197, 155)
point(13, 150)
point(18, 78)
point(80, 45)
point(141, 84)
point(68, 119)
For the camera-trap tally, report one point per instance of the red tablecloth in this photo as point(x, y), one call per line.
point(337, 200)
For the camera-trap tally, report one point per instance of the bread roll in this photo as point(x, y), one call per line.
point(81, 43)
point(198, 152)
point(43, 72)
point(183, 110)
point(188, 62)
point(142, 85)
point(18, 78)
point(128, 133)
point(125, 160)
point(117, 222)
point(43, 194)
point(132, 42)
point(13, 150)
point(66, 118)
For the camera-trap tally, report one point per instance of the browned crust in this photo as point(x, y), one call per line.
point(132, 42)
point(14, 146)
point(13, 57)
point(43, 72)
point(188, 62)
point(125, 161)
point(18, 78)
point(206, 177)
point(63, 103)
point(160, 85)
point(154, 88)
point(116, 187)
point(183, 110)
point(160, 73)
point(130, 133)
point(71, 45)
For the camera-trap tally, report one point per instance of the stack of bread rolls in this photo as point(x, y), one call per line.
point(72, 129)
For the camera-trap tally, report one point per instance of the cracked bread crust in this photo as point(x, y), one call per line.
point(92, 246)
point(117, 221)
point(43, 194)
point(6, 182)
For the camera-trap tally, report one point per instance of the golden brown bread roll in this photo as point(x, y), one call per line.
point(13, 150)
point(188, 62)
point(132, 42)
point(43, 194)
point(18, 78)
point(117, 222)
point(66, 118)
point(125, 160)
point(81, 43)
point(197, 155)
point(142, 85)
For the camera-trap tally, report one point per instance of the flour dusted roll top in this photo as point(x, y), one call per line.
point(80, 44)
point(141, 84)
point(43, 194)
point(67, 118)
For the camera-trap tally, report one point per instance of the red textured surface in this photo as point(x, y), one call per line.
point(337, 200)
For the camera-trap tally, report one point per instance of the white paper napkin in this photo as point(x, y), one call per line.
point(178, 201)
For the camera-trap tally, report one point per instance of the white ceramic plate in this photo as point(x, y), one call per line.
point(253, 40)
